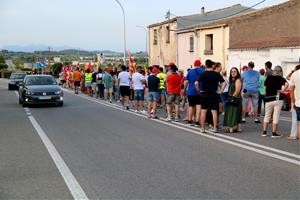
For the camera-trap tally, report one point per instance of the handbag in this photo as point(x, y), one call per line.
point(232, 100)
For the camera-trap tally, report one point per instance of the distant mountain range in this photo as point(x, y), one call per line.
point(67, 50)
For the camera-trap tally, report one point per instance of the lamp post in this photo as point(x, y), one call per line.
point(124, 23)
point(146, 42)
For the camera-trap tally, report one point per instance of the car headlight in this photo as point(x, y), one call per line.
point(57, 92)
point(29, 93)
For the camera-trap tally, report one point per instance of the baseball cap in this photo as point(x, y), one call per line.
point(197, 63)
point(155, 70)
point(171, 63)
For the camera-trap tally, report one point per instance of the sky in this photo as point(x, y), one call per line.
point(94, 24)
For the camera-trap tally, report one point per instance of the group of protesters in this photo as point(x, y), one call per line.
point(206, 88)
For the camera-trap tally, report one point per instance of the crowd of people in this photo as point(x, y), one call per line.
point(205, 92)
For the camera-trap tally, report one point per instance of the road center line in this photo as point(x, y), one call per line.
point(215, 137)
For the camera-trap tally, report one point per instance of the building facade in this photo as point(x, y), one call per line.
point(270, 34)
point(162, 42)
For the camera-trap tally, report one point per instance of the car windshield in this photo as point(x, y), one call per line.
point(17, 76)
point(40, 80)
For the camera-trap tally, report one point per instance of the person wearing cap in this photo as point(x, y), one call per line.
point(193, 96)
point(174, 90)
point(153, 88)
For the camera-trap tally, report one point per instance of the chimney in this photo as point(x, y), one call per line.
point(202, 11)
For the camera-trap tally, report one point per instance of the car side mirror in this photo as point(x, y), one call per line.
point(20, 84)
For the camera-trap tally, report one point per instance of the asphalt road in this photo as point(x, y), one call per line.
point(115, 154)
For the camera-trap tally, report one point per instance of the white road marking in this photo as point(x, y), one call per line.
point(247, 142)
point(71, 182)
point(73, 185)
point(215, 137)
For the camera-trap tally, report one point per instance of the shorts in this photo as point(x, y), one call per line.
point(108, 90)
point(173, 98)
point(161, 92)
point(94, 85)
point(298, 113)
point(88, 84)
point(152, 96)
point(194, 100)
point(273, 109)
point(77, 83)
point(253, 97)
point(210, 101)
point(125, 91)
point(139, 95)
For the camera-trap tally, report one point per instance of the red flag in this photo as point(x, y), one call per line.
point(131, 67)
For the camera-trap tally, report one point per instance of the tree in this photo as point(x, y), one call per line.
point(3, 66)
point(2, 59)
point(56, 67)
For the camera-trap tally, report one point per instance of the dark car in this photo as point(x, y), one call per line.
point(40, 89)
point(15, 79)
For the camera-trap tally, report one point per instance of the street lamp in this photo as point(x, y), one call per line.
point(146, 42)
point(124, 23)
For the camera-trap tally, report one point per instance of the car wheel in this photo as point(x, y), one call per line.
point(285, 106)
point(60, 104)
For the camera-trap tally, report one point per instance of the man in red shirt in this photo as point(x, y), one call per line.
point(173, 88)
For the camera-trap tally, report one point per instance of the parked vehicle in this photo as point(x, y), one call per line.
point(15, 79)
point(40, 89)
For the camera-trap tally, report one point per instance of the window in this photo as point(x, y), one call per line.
point(167, 34)
point(209, 41)
point(191, 43)
point(155, 36)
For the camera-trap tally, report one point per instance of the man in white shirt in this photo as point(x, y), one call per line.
point(124, 80)
point(295, 96)
point(138, 82)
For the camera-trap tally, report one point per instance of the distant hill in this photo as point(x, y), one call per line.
point(64, 50)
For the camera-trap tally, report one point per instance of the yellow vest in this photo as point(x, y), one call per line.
point(88, 77)
point(162, 79)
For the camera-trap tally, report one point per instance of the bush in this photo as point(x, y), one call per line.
point(3, 66)
point(5, 73)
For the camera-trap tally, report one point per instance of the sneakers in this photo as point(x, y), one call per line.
point(264, 134)
point(136, 111)
point(202, 130)
point(176, 119)
point(127, 107)
point(197, 124)
point(243, 120)
point(144, 112)
point(168, 119)
point(190, 123)
point(275, 135)
point(256, 121)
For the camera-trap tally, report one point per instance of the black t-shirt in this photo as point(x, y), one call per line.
point(273, 84)
point(210, 81)
point(94, 77)
point(153, 83)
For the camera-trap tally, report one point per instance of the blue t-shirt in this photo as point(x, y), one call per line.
point(153, 83)
point(251, 81)
point(192, 77)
